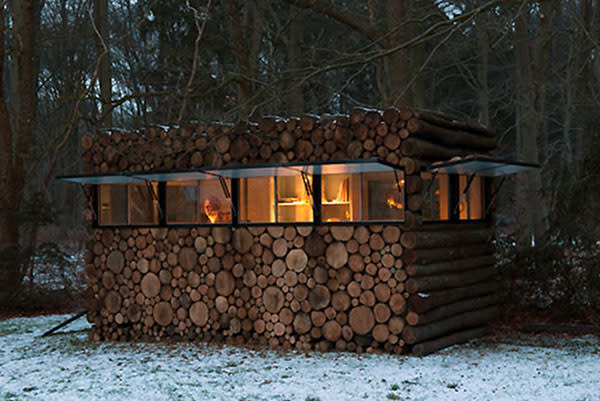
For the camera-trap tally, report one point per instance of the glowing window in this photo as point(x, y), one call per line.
point(112, 204)
point(214, 206)
point(294, 204)
point(257, 200)
point(143, 204)
point(436, 205)
point(200, 202)
point(375, 196)
point(182, 202)
point(471, 206)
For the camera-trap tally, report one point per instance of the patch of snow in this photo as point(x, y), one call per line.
point(69, 367)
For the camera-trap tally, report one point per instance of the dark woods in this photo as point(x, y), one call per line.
point(530, 69)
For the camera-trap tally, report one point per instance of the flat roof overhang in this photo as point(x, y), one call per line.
point(239, 171)
point(483, 166)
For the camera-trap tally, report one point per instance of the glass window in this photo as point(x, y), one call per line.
point(471, 204)
point(257, 200)
point(293, 202)
point(340, 200)
point(214, 206)
point(143, 205)
point(182, 202)
point(112, 204)
point(436, 197)
point(382, 199)
point(364, 196)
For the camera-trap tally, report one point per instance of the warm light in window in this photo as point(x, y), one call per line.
point(393, 204)
point(211, 209)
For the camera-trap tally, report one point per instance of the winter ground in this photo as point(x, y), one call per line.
point(69, 367)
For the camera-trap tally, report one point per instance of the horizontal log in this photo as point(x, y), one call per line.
point(416, 334)
point(450, 266)
point(428, 256)
point(421, 303)
point(411, 165)
point(455, 237)
point(426, 348)
point(419, 148)
point(445, 311)
point(449, 122)
point(428, 283)
point(452, 137)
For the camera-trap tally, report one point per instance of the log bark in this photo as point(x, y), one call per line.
point(150, 285)
point(199, 314)
point(449, 122)
point(415, 334)
point(319, 297)
point(445, 311)
point(342, 233)
point(451, 137)
point(315, 245)
point(419, 148)
point(391, 115)
point(421, 303)
point(242, 240)
point(332, 331)
point(391, 234)
point(115, 262)
point(361, 320)
point(428, 283)
point(112, 302)
point(427, 256)
point(411, 165)
point(224, 283)
point(457, 237)
point(426, 348)
point(187, 258)
point(296, 260)
point(336, 255)
point(450, 266)
point(302, 323)
point(273, 299)
point(163, 313)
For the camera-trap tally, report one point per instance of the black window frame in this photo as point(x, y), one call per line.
point(235, 199)
point(454, 196)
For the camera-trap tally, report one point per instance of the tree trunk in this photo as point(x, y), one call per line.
point(12, 171)
point(104, 75)
point(293, 96)
point(239, 45)
point(483, 90)
point(398, 68)
point(530, 112)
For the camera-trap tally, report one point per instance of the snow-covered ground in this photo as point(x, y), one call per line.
point(69, 367)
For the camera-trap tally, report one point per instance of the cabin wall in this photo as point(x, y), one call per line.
point(343, 287)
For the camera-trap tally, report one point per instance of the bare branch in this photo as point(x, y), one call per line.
point(338, 14)
point(200, 29)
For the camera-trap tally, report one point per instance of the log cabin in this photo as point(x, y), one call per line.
point(359, 232)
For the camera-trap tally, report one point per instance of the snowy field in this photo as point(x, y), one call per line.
point(69, 367)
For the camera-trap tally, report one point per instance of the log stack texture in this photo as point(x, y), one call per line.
point(399, 288)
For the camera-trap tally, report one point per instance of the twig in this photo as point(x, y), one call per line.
point(200, 29)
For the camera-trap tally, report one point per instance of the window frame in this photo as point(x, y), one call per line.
point(454, 196)
point(96, 205)
point(235, 200)
point(360, 205)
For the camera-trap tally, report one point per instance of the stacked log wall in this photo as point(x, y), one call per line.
point(323, 287)
point(302, 287)
point(452, 284)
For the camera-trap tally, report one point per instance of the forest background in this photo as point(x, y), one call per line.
point(529, 69)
